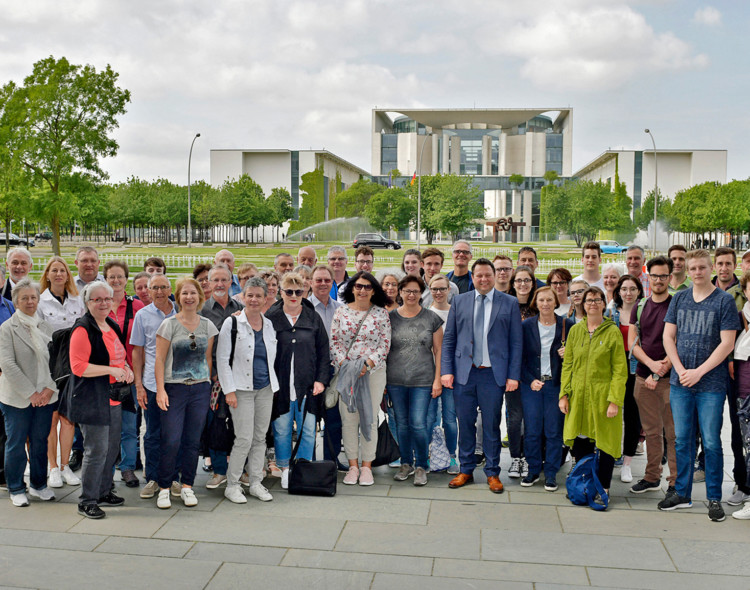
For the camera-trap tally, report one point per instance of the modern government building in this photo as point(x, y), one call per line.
point(490, 145)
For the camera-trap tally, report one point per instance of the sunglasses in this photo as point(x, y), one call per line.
point(360, 286)
point(193, 343)
point(292, 292)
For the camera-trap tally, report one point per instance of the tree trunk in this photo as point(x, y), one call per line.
point(56, 234)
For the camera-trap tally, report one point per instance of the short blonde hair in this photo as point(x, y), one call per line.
point(188, 280)
point(292, 278)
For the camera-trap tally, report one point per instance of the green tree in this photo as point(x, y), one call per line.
point(352, 201)
point(457, 202)
point(428, 222)
point(580, 208)
point(69, 112)
point(312, 210)
point(207, 207)
point(246, 203)
point(390, 209)
point(645, 215)
point(279, 204)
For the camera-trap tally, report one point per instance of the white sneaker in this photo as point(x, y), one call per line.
point(234, 494)
point(164, 501)
point(188, 497)
point(743, 513)
point(738, 498)
point(19, 500)
point(626, 475)
point(524, 467)
point(515, 469)
point(55, 478)
point(259, 491)
point(45, 495)
point(70, 478)
point(285, 479)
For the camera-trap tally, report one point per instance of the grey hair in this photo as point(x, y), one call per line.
point(255, 281)
point(390, 272)
point(337, 250)
point(24, 283)
point(2, 272)
point(612, 266)
point(634, 247)
point(151, 279)
point(18, 250)
point(304, 270)
point(216, 267)
point(461, 242)
point(91, 287)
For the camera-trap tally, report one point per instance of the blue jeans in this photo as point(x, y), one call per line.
point(282, 435)
point(129, 437)
point(33, 423)
point(450, 424)
point(181, 428)
point(710, 407)
point(481, 391)
point(410, 405)
point(219, 461)
point(541, 415)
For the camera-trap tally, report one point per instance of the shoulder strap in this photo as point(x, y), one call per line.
point(128, 317)
point(234, 340)
point(564, 322)
point(359, 327)
point(597, 485)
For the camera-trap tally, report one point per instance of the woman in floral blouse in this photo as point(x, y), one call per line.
point(366, 299)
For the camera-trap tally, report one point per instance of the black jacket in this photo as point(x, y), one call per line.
point(307, 340)
point(87, 398)
point(531, 364)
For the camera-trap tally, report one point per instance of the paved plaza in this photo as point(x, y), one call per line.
point(390, 535)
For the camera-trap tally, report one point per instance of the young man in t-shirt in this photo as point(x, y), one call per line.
point(699, 332)
point(652, 377)
point(591, 257)
point(679, 280)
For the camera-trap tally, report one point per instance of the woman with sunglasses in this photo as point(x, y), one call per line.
point(361, 331)
point(303, 367)
point(592, 387)
point(183, 388)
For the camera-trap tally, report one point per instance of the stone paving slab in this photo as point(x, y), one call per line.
point(126, 521)
point(391, 581)
point(495, 516)
point(39, 516)
point(227, 552)
point(573, 549)
point(62, 570)
point(710, 557)
point(634, 578)
point(361, 562)
point(151, 547)
point(420, 541)
point(50, 540)
point(242, 576)
point(505, 570)
point(477, 492)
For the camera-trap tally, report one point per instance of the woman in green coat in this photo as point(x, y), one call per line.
point(592, 387)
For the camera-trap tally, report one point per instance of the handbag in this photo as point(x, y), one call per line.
point(387, 449)
point(440, 458)
point(311, 478)
point(332, 393)
point(583, 485)
point(220, 434)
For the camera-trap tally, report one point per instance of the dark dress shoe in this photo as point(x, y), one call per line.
point(91, 511)
point(461, 480)
point(496, 486)
point(130, 479)
point(112, 499)
point(76, 460)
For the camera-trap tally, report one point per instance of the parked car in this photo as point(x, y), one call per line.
point(44, 235)
point(16, 240)
point(375, 241)
point(611, 247)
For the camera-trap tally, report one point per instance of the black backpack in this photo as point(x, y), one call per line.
point(59, 357)
point(220, 433)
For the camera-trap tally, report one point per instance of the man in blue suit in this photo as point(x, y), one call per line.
point(481, 359)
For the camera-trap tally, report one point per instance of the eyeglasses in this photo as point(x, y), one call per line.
point(159, 288)
point(323, 281)
point(363, 286)
point(244, 278)
point(438, 289)
point(504, 269)
point(462, 252)
point(98, 300)
point(659, 277)
point(522, 281)
point(559, 283)
point(577, 292)
point(411, 291)
point(193, 343)
point(292, 292)
point(336, 259)
point(593, 301)
point(365, 262)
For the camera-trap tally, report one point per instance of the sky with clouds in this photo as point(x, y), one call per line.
point(306, 74)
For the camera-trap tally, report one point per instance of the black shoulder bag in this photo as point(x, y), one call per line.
point(311, 478)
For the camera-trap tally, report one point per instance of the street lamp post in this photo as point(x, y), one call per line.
point(190, 226)
point(419, 192)
point(656, 186)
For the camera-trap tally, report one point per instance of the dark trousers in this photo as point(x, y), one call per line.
point(583, 447)
point(739, 470)
point(21, 424)
point(515, 422)
point(181, 427)
point(99, 456)
point(543, 428)
point(632, 418)
point(333, 433)
point(3, 438)
point(78, 439)
point(480, 390)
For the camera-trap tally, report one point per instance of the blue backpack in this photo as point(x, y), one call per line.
point(583, 484)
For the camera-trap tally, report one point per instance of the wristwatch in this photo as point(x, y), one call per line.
point(655, 376)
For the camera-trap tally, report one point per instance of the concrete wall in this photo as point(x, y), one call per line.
point(225, 165)
point(269, 169)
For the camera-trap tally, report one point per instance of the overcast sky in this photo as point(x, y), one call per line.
point(300, 75)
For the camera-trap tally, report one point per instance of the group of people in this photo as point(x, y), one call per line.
point(598, 363)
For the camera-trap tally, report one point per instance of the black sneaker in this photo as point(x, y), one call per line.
point(550, 484)
point(715, 511)
point(480, 459)
point(671, 491)
point(91, 511)
point(645, 486)
point(112, 499)
point(76, 460)
point(674, 501)
point(529, 480)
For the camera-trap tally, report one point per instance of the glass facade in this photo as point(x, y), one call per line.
point(295, 183)
point(388, 152)
point(637, 180)
point(554, 152)
point(407, 125)
point(471, 148)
